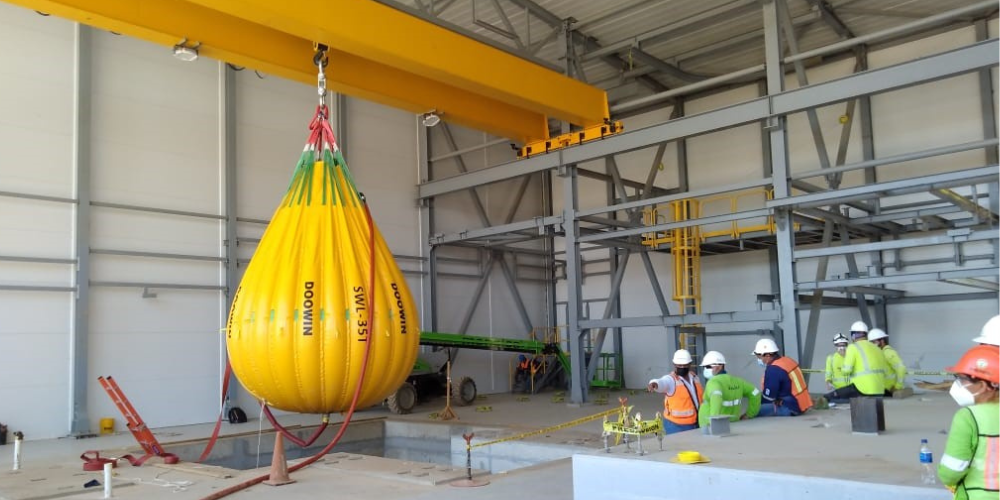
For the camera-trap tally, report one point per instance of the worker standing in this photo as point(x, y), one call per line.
point(970, 466)
point(990, 334)
point(835, 376)
point(682, 394)
point(783, 384)
point(724, 393)
point(895, 373)
point(865, 364)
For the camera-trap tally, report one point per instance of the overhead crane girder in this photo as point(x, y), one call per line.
point(376, 53)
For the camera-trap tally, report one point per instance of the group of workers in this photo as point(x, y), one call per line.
point(867, 367)
point(970, 465)
point(687, 405)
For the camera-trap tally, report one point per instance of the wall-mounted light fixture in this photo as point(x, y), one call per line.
point(185, 53)
point(431, 118)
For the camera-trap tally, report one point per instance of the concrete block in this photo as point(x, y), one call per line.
point(867, 415)
point(718, 426)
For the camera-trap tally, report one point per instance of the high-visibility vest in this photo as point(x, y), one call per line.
point(982, 479)
point(895, 370)
point(866, 365)
point(800, 390)
point(680, 407)
point(835, 371)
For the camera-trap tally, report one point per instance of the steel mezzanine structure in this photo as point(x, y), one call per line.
point(803, 212)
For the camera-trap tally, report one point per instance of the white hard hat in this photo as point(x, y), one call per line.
point(713, 358)
point(990, 333)
point(682, 357)
point(859, 326)
point(764, 346)
point(877, 333)
point(840, 339)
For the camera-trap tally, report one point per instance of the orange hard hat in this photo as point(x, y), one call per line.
point(982, 362)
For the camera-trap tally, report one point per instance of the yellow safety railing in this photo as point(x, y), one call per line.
point(731, 203)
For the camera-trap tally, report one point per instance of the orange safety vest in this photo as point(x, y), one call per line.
point(799, 388)
point(679, 408)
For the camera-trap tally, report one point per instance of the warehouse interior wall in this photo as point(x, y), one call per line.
point(158, 186)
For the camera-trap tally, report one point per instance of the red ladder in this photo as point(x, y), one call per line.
point(142, 433)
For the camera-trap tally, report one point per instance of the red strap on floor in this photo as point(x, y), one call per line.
point(96, 463)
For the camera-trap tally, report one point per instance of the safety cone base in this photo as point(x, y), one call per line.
point(469, 483)
point(279, 466)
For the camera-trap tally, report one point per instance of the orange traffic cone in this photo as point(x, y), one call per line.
point(279, 466)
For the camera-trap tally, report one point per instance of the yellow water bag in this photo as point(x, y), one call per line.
point(306, 309)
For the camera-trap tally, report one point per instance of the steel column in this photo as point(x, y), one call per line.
point(579, 385)
point(227, 103)
point(785, 230)
point(79, 337)
point(428, 279)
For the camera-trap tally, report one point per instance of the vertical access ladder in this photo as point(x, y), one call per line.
point(135, 423)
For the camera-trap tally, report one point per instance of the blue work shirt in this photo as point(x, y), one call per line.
point(778, 385)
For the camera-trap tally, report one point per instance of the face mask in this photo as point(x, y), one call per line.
point(962, 395)
point(760, 362)
point(683, 372)
point(707, 372)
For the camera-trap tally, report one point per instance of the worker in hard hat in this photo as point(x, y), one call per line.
point(682, 394)
point(865, 364)
point(895, 373)
point(970, 466)
point(835, 376)
point(725, 393)
point(990, 334)
point(522, 374)
point(783, 386)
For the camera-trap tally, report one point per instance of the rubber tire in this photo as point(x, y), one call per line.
point(403, 400)
point(464, 392)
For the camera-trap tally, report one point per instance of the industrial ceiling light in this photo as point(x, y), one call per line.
point(431, 118)
point(185, 53)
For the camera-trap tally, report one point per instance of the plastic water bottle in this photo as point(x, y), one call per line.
point(927, 473)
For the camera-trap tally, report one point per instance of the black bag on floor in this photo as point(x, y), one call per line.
point(236, 415)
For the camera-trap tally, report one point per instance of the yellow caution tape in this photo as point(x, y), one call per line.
point(908, 372)
point(546, 429)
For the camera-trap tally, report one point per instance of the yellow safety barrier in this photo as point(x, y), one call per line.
point(564, 425)
point(908, 372)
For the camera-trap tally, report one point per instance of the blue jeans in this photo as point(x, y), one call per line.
point(672, 428)
point(771, 410)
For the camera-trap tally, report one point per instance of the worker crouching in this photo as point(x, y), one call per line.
point(725, 394)
point(784, 388)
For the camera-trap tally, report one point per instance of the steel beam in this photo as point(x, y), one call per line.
point(956, 62)
point(937, 19)
point(975, 283)
point(949, 297)
point(683, 319)
point(900, 278)
point(917, 155)
point(515, 294)
point(950, 237)
point(712, 219)
point(891, 188)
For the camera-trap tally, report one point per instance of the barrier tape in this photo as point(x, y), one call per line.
point(908, 372)
point(557, 427)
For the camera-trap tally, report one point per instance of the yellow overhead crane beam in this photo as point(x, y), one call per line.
point(375, 52)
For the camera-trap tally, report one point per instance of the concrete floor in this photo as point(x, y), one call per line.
point(818, 444)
